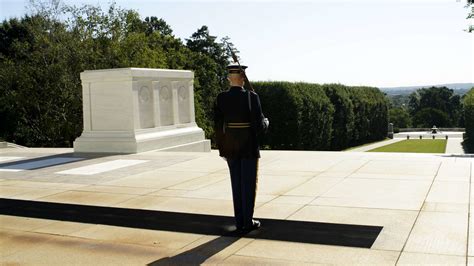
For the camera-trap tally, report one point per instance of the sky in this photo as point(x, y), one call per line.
point(382, 43)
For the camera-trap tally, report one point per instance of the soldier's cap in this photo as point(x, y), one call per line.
point(234, 68)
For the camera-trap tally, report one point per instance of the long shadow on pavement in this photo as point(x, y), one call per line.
point(272, 229)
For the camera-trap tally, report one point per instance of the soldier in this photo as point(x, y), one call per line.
point(238, 120)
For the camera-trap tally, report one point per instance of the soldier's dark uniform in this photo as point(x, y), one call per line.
point(238, 120)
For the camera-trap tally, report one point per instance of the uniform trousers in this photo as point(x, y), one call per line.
point(243, 175)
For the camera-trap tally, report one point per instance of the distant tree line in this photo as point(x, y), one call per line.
point(469, 120)
point(42, 55)
point(426, 107)
point(307, 116)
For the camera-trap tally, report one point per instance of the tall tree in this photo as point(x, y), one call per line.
point(441, 101)
point(38, 89)
point(399, 117)
point(468, 103)
point(209, 61)
point(470, 16)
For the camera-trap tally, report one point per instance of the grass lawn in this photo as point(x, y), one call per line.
point(415, 145)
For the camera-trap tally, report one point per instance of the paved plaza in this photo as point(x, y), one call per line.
point(421, 203)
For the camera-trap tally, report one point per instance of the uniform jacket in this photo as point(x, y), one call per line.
point(232, 106)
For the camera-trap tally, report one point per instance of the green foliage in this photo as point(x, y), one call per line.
point(42, 56)
point(468, 103)
point(344, 117)
point(444, 105)
point(470, 16)
point(315, 117)
point(429, 117)
point(39, 100)
point(329, 117)
point(399, 117)
point(305, 121)
point(209, 60)
point(398, 101)
point(371, 111)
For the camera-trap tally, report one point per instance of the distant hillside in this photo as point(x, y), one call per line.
point(459, 88)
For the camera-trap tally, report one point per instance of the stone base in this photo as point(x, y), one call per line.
point(177, 139)
point(198, 146)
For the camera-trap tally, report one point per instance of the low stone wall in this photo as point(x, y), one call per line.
point(429, 135)
point(429, 129)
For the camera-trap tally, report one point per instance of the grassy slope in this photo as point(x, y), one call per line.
point(415, 145)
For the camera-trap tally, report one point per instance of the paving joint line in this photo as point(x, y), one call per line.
point(300, 208)
point(302, 183)
point(424, 253)
point(291, 262)
point(367, 208)
point(419, 212)
point(184, 248)
point(469, 214)
point(340, 181)
point(54, 194)
point(315, 197)
point(251, 241)
point(195, 178)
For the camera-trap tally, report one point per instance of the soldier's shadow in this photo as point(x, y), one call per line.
point(199, 254)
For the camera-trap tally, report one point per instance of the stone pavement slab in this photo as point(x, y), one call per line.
point(449, 192)
point(169, 240)
point(423, 202)
point(314, 187)
point(409, 258)
point(246, 260)
point(454, 171)
point(317, 253)
point(42, 249)
point(439, 233)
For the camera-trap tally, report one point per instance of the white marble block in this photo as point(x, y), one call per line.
point(131, 110)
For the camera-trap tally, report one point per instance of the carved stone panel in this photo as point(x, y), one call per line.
point(166, 104)
point(183, 104)
point(145, 103)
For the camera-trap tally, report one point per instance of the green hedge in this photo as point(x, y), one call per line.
point(371, 112)
point(307, 116)
point(300, 115)
point(344, 118)
point(469, 118)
